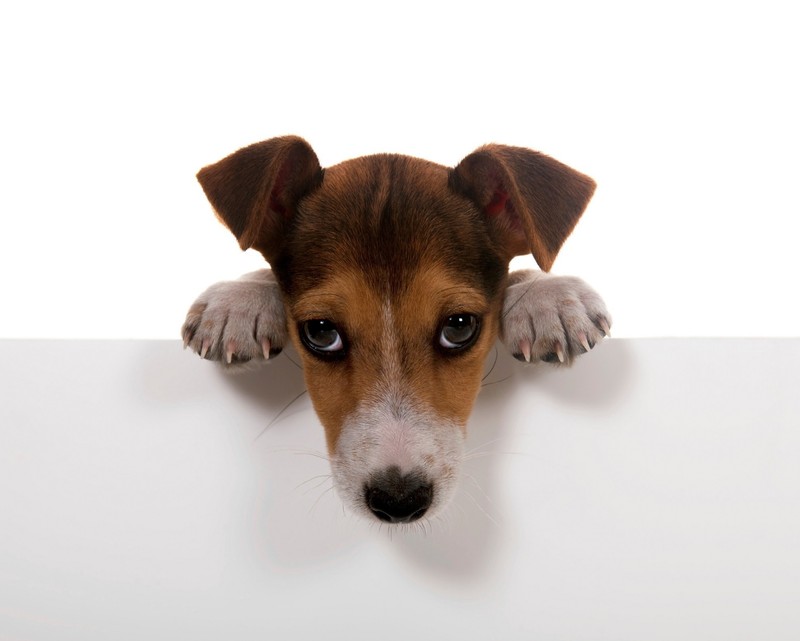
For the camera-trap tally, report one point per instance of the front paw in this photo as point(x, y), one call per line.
point(552, 318)
point(237, 322)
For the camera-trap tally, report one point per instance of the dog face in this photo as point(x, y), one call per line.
point(393, 271)
point(393, 290)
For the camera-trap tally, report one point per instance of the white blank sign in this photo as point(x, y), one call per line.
point(650, 492)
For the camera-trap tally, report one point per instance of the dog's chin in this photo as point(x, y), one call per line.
point(399, 469)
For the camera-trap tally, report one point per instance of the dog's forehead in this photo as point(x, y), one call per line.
point(388, 215)
point(380, 178)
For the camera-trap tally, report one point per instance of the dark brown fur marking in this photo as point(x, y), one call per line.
point(444, 384)
point(387, 214)
point(391, 236)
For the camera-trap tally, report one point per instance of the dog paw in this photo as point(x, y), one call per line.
point(552, 318)
point(237, 322)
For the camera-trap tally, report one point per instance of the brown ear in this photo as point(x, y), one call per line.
point(533, 202)
point(255, 190)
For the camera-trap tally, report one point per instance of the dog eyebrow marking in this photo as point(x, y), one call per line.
point(320, 304)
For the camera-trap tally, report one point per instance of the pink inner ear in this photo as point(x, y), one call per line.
point(501, 208)
point(497, 204)
point(275, 204)
point(276, 197)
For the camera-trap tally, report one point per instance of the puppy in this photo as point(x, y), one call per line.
point(390, 276)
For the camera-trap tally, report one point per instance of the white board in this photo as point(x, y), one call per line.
point(650, 492)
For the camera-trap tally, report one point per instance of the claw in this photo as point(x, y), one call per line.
point(525, 348)
point(560, 352)
point(265, 346)
point(584, 341)
point(605, 326)
point(204, 348)
point(230, 349)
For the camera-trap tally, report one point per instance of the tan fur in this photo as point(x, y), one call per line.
point(446, 385)
point(379, 252)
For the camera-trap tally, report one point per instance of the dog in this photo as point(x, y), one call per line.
point(390, 275)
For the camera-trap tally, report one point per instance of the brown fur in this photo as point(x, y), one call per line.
point(345, 241)
point(384, 249)
point(446, 384)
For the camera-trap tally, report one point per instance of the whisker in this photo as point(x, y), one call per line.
point(439, 520)
point(502, 380)
point(478, 485)
point(516, 302)
point(275, 419)
point(480, 507)
point(477, 455)
point(314, 505)
point(494, 363)
point(324, 478)
point(477, 448)
point(297, 451)
point(293, 362)
point(318, 455)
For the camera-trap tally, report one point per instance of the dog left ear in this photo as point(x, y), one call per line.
point(532, 201)
point(255, 190)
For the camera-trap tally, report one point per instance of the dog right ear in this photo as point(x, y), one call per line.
point(532, 201)
point(255, 190)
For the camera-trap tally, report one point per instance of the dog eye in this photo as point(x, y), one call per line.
point(321, 337)
point(459, 331)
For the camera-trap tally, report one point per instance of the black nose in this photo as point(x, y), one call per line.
point(398, 498)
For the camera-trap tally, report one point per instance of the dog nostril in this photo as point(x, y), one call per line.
point(398, 499)
point(399, 509)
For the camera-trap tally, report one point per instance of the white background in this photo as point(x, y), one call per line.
point(648, 493)
point(684, 112)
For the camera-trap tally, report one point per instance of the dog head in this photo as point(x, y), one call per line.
point(393, 271)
